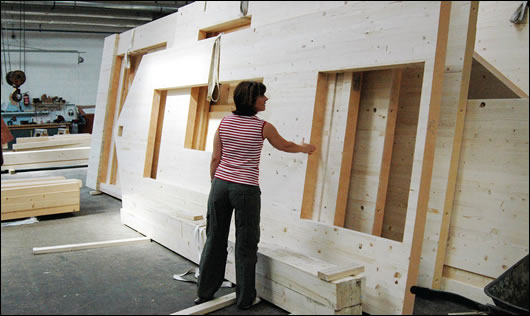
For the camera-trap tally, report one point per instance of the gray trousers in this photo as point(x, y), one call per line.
point(224, 197)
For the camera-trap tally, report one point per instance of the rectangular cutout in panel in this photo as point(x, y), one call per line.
point(120, 130)
point(365, 126)
point(155, 133)
point(227, 27)
point(204, 117)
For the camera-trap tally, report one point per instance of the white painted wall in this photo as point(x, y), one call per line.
point(56, 74)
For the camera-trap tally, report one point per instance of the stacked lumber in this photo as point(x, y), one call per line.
point(39, 196)
point(302, 284)
point(52, 142)
point(48, 158)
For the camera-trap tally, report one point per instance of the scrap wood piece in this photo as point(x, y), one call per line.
point(336, 273)
point(210, 306)
point(90, 245)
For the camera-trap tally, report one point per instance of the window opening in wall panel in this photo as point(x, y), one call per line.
point(365, 126)
point(204, 116)
point(225, 28)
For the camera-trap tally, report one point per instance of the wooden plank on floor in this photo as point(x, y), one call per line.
point(210, 306)
point(90, 245)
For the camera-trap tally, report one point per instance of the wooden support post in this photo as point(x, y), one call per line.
point(347, 153)
point(316, 139)
point(457, 145)
point(384, 172)
point(429, 132)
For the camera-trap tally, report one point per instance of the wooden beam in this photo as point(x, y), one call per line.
point(44, 203)
point(13, 181)
point(201, 120)
point(192, 114)
point(154, 133)
point(68, 185)
point(316, 139)
point(457, 146)
point(114, 166)
point(47, 155)
point(210, 306)
point(47, 164)
point(347, 153)
point(336, 273)
point(41, 211)
point(428, 154)
point(109, 118)
point(384, 171)
point(90, 245)
point(225, 28)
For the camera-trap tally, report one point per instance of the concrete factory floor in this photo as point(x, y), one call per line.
point(132, 279)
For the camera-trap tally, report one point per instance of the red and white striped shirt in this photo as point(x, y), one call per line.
point(242, 141)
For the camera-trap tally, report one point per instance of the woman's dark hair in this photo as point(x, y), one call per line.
point(245, 96)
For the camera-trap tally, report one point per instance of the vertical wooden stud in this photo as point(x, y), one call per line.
point(316, 139)
point(384, 172)
point(347, 153)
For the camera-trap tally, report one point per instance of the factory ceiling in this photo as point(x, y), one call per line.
point(100, 17)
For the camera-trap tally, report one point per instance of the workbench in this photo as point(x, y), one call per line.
point(27, 130)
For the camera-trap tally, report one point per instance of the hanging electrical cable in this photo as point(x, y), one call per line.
point(24, 18)
point(20, 37)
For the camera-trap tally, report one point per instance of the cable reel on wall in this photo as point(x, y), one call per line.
point(15, 78)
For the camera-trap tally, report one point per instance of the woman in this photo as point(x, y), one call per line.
point(234, 171)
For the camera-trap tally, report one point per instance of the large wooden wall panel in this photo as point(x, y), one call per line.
point(288, 55)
